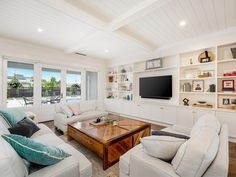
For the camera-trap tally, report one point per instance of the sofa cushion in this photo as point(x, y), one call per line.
point(25, 127)
point(12, 116)
point(11, 165)
point(85, 167)
point(43, 130)
point(49, 139)
point(84, 116)
point(34, 151)
point(3, 129)
point(196, 154)
point(207, 120)
point(162, 147)
point(74, 106)
point(66, 110)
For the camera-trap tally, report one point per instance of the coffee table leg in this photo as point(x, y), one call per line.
point(105, 158)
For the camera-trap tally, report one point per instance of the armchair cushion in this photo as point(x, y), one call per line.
point(207, 120)
point(196, 154)
point(162, 147)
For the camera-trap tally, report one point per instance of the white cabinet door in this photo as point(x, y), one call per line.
point(185, 117)
point(168, 114)
point(199, 113)
point(228, 118)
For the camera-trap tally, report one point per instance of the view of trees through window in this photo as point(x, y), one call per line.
point(51, 86)
point(73, 86)
point(20, 82)
point(20, 85)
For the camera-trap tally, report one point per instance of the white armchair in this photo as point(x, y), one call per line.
point(136, 163)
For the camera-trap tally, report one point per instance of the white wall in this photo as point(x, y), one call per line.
point(26, 51)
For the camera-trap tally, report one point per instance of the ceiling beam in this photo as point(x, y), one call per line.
point(85, 17)
point(137, 11)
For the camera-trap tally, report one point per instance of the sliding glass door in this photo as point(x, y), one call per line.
point(51, 86)
point(20, 84)
point(73, 86)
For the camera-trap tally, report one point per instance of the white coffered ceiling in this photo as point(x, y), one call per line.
point(127, 28)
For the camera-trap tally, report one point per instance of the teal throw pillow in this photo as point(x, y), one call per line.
point(35, 152)
point(12, 116)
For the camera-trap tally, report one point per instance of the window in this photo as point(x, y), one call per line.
point(73, 86)
point(51, 86)
point(91, 85)
point(20, 84)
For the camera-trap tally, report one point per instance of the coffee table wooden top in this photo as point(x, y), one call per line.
point(106, 133)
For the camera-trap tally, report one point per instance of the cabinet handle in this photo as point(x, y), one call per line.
point(161, 107)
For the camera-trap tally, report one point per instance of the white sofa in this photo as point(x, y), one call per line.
point(77, 165)
point(136, 163)
point(88, 110)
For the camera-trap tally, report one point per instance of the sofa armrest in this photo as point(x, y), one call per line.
point(59, 117)
point(68, 167)
point(144, 165)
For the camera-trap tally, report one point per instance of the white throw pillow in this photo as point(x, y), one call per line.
point(196, 154)
point(11, 165)
point(207, 120)
point(162, 147)
point(66, 110)
point(74, 106)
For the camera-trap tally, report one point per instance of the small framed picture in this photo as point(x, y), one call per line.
point(198, 86)
point(233, 101)
point(225, 101)
point(228, 85)
point(154, 63)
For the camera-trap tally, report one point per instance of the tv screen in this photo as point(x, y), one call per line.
point(159, 87)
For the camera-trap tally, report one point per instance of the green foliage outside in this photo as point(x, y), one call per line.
point(14, 83)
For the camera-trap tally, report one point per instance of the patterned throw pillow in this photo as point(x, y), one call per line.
point(35, 152)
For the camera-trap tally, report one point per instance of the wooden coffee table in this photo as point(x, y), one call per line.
point(107, 141)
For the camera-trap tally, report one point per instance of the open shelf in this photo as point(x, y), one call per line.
point(226, 93)
point(225, 77)
point(199, 93)
point(198, 64)
point(196, 78)
point(226, 60)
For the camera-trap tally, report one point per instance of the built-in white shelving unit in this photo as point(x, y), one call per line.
point(120, 82)
point(222, 64)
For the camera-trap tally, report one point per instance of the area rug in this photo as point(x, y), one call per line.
point(95, 160)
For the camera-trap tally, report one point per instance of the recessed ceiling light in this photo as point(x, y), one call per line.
point(106, 50)
point(182, 23)
point(40, 30)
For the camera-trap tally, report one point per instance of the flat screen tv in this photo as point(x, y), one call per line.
point(159, 87)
